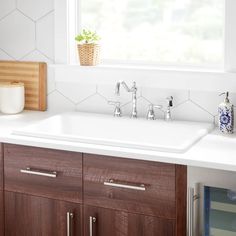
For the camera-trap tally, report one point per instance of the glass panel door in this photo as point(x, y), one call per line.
point(219, 212)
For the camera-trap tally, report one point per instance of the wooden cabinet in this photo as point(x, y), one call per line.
point(106, 222)
point(130, 185)
point(43, 192)
point(27, 215)
point(138, 189)
point(43, 172)
point(1, 193)
point(50, 192)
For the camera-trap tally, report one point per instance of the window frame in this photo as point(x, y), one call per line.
point(67, 25)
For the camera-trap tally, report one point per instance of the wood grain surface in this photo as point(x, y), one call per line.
point(1, 166)
point(159, 198)
point(1, 192)
point(181, 200)
point(37, 205)
point(68, 165)
point(118, 223)
point(27, 215)
point(2, 225)
point(34, 77)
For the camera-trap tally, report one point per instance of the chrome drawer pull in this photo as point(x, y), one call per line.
point(193, 206)
point(28, 170)
point(92, 220)
point(113, 183)
point(190, 211)
point(69, 229)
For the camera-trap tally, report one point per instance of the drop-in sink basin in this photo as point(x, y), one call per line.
point(158, 135)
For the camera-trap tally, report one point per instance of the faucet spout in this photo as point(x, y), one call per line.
point(117, 89)
point(132, 90)
point(126, 87)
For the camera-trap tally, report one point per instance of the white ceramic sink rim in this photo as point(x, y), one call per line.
point(158, 135)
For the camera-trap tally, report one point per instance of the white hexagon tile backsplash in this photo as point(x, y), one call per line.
point(17, 35)
point(44, 27)
point(27, 28)
point(27, 33)
point(7, 7)
point(35, 9)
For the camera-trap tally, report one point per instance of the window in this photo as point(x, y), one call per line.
point(170, 32)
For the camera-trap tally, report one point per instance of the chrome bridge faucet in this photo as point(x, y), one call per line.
point(132, 90)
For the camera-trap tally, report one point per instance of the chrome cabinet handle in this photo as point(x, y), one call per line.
point(92, 220)
point(30, 171)
point(118, 184)
point(69, 219)
point(190, 211)
point(193, 201)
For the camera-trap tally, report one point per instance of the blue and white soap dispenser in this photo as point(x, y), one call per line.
point(226, 115)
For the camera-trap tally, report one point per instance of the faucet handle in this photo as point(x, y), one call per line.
point(117, 111)
point(151, 112)
point(158, 106)
point(114, 103)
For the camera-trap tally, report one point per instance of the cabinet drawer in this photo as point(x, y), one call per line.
point(43, 172)
point(130, 185)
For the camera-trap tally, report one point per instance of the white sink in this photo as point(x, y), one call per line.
point(158, 135)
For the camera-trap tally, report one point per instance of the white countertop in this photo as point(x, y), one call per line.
point(213, 151)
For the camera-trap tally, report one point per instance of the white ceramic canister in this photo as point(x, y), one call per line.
point(12, 97)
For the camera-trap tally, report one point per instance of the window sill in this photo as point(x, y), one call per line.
point(144, 67)
point(159, 77)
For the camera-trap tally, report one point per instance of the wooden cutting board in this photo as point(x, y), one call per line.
point(33, 75)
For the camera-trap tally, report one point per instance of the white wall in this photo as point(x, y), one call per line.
point(27, 30)
point(27, 33)
point(211, 177)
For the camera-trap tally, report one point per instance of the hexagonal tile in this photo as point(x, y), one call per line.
point(74, 91)
point(17, 35)
point(191, 112)
point(58, 103)
point(4, 56)
point(51, 83)
point(6, 7)
point(158, 96)
point(35, 9)
point(45, 35)
point(210, 100)
point(95, 104)
point(37, 56)
point(207, 100)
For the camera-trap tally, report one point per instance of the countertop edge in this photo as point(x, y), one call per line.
point(212, 151)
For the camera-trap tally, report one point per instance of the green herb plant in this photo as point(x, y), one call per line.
point(87, 37)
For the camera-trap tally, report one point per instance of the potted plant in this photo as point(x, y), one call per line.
point(88, 48)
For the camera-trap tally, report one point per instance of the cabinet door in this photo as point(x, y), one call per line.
point(107, 222)
point(1, 193)
point(1, 214)
point(27, 215)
